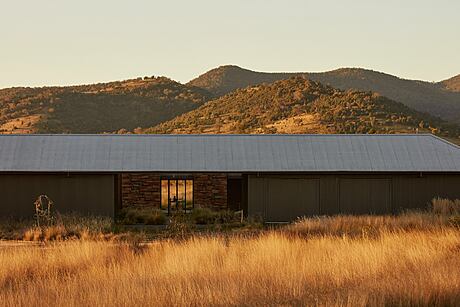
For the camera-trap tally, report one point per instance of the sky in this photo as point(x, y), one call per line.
point(63, 42)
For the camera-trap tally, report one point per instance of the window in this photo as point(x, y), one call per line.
point(176, 194)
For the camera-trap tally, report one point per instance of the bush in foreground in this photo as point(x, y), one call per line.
point(141, 215)
point(72, 226)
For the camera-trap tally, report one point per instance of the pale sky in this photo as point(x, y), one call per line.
point(61, 42)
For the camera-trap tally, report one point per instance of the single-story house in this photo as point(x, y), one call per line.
point(276, 177)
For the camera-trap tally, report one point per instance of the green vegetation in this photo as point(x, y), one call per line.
point(128, 225)
point(203, 216)
point(258, 109)
point(286, 106)
point(439, 99)
point(106, 107)
point(145, 216)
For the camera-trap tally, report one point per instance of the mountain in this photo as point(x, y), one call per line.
point(96, 108)
point(452, 84)
point(299, 105)
point(433, 98)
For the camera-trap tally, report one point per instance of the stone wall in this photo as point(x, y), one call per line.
point(140, 190)
point(210, 190)
point(144, 190)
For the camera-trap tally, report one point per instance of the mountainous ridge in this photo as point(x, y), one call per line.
point(136, 104)
point(96, 108)
point(433, 98)
point(452, 84)
point(299, 105)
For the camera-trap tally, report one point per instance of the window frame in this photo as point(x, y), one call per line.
point(177, 178)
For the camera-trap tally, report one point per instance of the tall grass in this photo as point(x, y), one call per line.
point(71, 226)
point(370, 225)
point(442, 206)
point(407, 268)
point(407, 260)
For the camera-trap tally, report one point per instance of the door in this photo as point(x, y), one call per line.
point(176, 195)
point(234, 193)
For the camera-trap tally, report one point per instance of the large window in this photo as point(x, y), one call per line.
point(176, 194)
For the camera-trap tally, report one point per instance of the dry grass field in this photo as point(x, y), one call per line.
point(412, 259)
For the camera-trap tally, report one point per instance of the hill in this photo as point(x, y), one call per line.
point(433, 98)
point(96, 108)
point(452, 84)
point(298, 105)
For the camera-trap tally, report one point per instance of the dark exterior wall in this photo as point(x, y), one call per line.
point(415, 191)
point(81, 193)
point(388, 193)
point(144, 189)
point(234, 193)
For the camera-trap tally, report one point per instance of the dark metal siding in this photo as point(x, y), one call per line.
point(85, 194)
point(415, 191)
point(281, 199)
point(271, 198)
point(365, 195)
point(291, 198)
point(257, 196)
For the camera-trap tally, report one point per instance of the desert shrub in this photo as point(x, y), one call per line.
point(227, 216)
point(203, 216)
point(445, 206)
point(71, 226)
point(146, 216)
point(179, 226)
point(13, 229)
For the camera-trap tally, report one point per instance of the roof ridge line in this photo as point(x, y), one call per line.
point(445, 141)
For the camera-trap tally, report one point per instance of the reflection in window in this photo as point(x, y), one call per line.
point(189, 195)
point(176, 194)
point(173, 195)
point(164, 194)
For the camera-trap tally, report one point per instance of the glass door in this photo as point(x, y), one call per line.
point(176, 194)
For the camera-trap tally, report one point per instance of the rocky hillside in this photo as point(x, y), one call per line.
point(434, 98)
point(298, 105)
point(452, 84)
point(96, 108)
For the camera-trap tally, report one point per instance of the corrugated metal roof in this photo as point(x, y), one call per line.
point(227, 153)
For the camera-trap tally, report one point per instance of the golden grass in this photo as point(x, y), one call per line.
point(410, 259)
point(371, 225)
point(420, 267)
point(442, 206)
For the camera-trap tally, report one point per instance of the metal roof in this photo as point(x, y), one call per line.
point(227, 153)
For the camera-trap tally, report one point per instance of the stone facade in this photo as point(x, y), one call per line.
point(210, 191)
point(144, 190)
point(140, 190)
